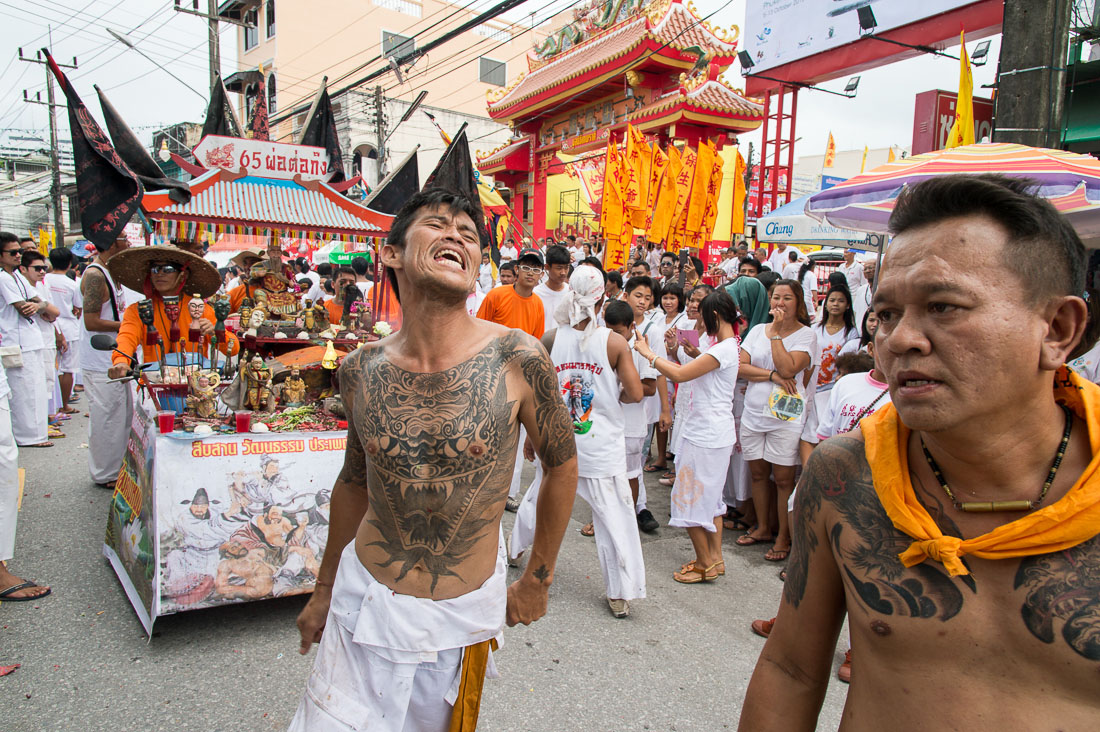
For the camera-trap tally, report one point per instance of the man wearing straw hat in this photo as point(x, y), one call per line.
point(245, 260)
point(161, 272)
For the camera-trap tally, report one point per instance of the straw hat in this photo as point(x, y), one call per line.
point(130, 268)
point(246, 254)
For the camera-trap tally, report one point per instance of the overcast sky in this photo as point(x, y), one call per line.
point(881, 114)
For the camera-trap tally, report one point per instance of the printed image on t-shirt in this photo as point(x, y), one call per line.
point(784, 405)
point(576, 388)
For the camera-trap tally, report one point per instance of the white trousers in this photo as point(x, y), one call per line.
point(738, 479)
point(53, 387)
point(28, 400)
point(697, 493)
point(618, 545)
point(9, 483)
point(513, 489)
point(111, 409)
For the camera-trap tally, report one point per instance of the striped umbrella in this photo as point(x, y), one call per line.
point(1068, 180)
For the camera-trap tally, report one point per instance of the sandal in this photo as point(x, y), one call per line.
point(735, 525)
point(695, 575)
point(588, 530)
point(777, 555)
point(47, 443)
point(749, 540)
point(690, 567)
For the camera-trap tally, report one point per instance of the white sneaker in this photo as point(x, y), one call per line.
point(619, 608)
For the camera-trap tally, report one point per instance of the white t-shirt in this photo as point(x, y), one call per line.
point(508, 254)
point(49, 338)
point(473, 302)
point(65, 295)
point(1088, 364)
point(777, 260)
point(861, 302)
point(550, 299)
point(364, 288)
point(831, 345)
point(758, 415)
point(854, 273)
point(809, 287)
point(636, 424)
point(790, 270)
point(653, 258)
point(15, 330)
point(707, 413)
point(485, 277)
point(653, 328)
point(730, 266)
point(854, 397)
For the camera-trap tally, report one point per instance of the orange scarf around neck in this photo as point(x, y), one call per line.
point(1061, 525)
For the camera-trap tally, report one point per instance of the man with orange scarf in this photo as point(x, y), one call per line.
point(959, 526)
point(162, 272)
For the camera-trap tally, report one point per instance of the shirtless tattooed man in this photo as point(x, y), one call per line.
point(959, 526)
point(434, 413)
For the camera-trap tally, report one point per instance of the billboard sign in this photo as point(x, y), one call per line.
point(781, 31)
point(264, 158)
point(934, 114)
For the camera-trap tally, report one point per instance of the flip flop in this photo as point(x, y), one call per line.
point(47, 443)
point(654, 468)
point(5, 596)
point(777, 555)
point(749, 540)
point(67, 410)
point(588, 530)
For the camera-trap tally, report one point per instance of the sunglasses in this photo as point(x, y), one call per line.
point(164, 269)
point(40, 268)
point(12, 251)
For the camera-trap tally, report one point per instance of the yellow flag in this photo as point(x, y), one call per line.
point(710, 211)
point(830, 153)
point(737, 226)
point(863, 165)
point(684, 179)
point(665, 207)
point(962, 132)
point(613, 214)
point(891, 157)
point(697, 199)
point(637, 162)
point(658, 163)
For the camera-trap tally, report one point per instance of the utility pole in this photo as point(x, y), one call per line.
point(1032, 71)
point(55, 158)
point(380, 130)
point(212, 20)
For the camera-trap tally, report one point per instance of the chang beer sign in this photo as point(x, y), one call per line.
point(346, 257)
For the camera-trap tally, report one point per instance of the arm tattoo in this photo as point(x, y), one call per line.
point(437, 453)
point(1064, 587)
point(555, 442)
point(94, 290)
point(865, 540)
point(354, 472)
point(542, 574)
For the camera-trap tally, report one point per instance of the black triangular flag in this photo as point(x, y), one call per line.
point(397, 187)
point(320, 131)
point(455, 173)
point(220, 117)
point(107, 191)
point(136, 157)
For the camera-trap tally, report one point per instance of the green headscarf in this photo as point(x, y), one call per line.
point(751, 300)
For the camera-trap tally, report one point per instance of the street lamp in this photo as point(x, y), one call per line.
point(121, 38)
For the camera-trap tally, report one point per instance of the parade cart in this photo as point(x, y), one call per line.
point(235, 508)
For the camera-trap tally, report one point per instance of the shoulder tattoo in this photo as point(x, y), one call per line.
point(1064, 588)
point(94, 290)
point(865, 540)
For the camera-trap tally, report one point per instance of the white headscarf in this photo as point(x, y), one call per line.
point(585, 290)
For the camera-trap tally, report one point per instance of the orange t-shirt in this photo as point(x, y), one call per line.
point(335, 312)
point(131, 332)
point(237, 296)
point(505, 306)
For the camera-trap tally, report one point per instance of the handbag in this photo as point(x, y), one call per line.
point(11, 357)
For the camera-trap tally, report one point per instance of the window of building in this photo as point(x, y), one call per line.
point(251, 34)
point(397, 45)
point(271, 94)
point(250, 101)
point(270, 18)
point(492, 72)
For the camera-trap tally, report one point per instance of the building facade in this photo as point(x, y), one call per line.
point(296, 44)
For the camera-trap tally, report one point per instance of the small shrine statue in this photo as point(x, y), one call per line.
point(308, 321)
point(202, 401)
point(328, 361)
point(257, 377)
point(196, 309)
point(320, 315)
point(294, 389)
point(246, 312)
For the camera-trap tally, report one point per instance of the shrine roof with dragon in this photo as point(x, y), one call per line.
point(606, 38)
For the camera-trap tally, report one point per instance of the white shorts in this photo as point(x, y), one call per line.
point(635, 461)
point(70, 359)
point(778, 447)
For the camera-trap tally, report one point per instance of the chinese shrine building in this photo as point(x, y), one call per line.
point(650, 63)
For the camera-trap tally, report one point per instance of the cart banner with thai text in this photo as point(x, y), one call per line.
point(242, 517)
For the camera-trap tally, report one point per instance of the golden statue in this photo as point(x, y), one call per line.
point(202, 401)
point(257, 378)
point(294, 389)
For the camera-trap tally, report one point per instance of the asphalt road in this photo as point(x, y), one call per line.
point(681, 661)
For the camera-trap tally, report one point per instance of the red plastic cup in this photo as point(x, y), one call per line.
point(166, 421)
point(243, 421)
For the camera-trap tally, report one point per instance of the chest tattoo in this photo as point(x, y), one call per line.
point(438, 448)
point(1063, 588)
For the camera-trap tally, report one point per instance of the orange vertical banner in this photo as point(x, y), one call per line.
point(638, 159)
point(710, 212)
point(664, 205)
point(613, 215)
point(697, 198)
point(684, 180)
point(737, 220)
